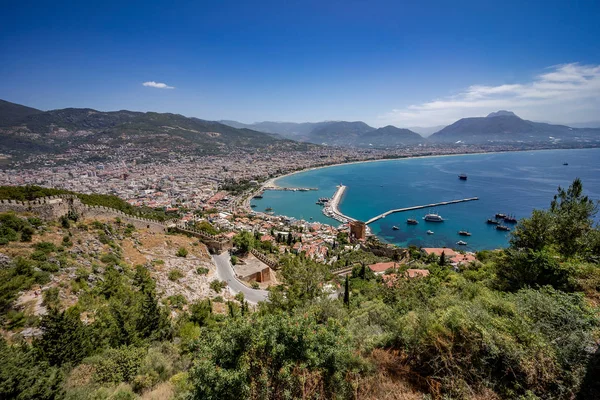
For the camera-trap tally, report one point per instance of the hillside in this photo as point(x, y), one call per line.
point(389, 136)
point(505, 126)
point(59, 130)
point(11, 113)
point(95, 307)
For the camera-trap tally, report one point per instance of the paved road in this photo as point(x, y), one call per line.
point(225, 273)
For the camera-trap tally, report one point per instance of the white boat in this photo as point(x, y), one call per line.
point(461, 243)
point(433, 218)
point(430, 232)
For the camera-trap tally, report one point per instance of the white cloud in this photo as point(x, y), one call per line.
point(567, 93)
point(157, 85)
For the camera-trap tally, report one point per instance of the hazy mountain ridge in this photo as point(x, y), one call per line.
point(337, 133)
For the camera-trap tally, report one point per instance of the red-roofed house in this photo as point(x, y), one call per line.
point(380, 268)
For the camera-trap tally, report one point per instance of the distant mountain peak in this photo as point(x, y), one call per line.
point(502, 113)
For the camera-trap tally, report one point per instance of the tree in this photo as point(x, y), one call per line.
point(347, 293)
point(244, 241)
point(65, 339)
point(533, 233)
point(573, 213)
point(442, 261)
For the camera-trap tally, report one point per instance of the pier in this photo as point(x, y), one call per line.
point(289, 189)
point(331, 209)
point(443, 203)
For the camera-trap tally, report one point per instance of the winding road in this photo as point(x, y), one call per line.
point(225, 273)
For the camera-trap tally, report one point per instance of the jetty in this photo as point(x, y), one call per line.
point(289, 189)
point(397, 210)
point(331, 209)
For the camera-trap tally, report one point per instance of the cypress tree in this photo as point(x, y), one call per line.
point(347, 293)
point(442, 259)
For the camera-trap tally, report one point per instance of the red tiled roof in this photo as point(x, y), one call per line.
point(381, 267)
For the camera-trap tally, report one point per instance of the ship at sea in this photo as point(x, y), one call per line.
point(462, 177)
point(510, 219)
point(412, 221)
point(268, 209)
point(461, 243)
point(433, 218)
point(395, 228)
point(464, 233)
point(493, 221)
point(502, 228)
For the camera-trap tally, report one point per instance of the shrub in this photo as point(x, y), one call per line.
point(175, 275)
point(182, 252)
point(217, 285)
point(202, 270)
point(234, 260)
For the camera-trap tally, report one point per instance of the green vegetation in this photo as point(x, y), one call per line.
point(182, 252)
point(175, 274)
point(520, 323)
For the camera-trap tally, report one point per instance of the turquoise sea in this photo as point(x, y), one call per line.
point(510, 183)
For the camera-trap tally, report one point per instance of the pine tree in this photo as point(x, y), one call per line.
point(65, 339)
point(347, 293)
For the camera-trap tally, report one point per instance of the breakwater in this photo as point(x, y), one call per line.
point(397, 210)
point(331, 209)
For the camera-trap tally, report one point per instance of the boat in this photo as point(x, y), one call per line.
point(268, 209)
point(464, 233)
point(395, 228)
point(462, 177)
point(566, 163)
point(510, 219)
point(311, 218)
point(258, 196)
point(433, 218)
point(430, 232)
point(492, 221)
point(502, 228)
point(461, 243)
point(500, 215)
point(253, 205)
point(412, 221)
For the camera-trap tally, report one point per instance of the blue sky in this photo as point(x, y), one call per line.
point(384, 62)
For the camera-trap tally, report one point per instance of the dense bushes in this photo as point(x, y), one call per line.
point(274, 356)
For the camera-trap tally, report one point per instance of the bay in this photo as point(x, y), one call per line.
point(511, 183)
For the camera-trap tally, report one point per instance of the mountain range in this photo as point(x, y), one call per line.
point(26, 130)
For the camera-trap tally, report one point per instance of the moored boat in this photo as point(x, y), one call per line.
point(502, 228)
point(510, 219)
point(433, 218)
point(268, 209)
point(461, 243)
point(464, 233)
point(492, 221)
point(500, 215)
point(430, 232)
point(412, 221)
point(395, 228)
